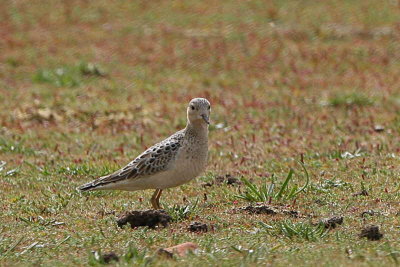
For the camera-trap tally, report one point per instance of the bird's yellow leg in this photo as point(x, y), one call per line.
point(155, 199)
point(158, 198)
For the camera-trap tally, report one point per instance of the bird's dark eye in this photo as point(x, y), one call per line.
point(209, 107)
point(192, 107)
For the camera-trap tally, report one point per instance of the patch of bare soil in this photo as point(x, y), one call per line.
point(269, 210)
point(150, 218)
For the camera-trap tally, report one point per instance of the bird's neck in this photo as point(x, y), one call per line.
point(199, 129)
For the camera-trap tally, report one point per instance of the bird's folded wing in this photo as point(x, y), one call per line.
point(156, 159)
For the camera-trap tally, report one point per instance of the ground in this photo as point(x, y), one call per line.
point(85, 86)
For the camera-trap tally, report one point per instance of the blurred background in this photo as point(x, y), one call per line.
point(288, 76)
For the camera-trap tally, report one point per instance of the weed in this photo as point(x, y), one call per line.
point(297, 230)
point(180, 213)
point(266, 192)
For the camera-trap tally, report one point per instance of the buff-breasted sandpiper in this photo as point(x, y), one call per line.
point(169, 163)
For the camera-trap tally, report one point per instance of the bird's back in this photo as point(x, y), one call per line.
point(156, 159)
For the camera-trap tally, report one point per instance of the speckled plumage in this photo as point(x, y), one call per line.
point(169, 163)
point(153, 160)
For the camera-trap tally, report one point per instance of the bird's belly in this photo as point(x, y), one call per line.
point(172, 179)
point(163, 180)
point(182, 173)
point(157, 181)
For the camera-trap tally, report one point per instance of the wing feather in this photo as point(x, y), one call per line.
point(156, 159)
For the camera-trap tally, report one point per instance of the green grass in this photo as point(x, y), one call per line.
point(132, 256)
point(85, 86)
point(68, 76)
point(17, 147)
point(184, 212)
point(267, 193)
point(353, 99)
point(299, 231)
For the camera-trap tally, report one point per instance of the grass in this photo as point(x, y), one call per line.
point(352, 99)
point(132, 256)
point(181, 213)
point(297, 230)
point(10, 146)
point(266, 193)
point(88, 86)
point(68, 76)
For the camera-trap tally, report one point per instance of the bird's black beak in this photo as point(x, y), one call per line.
point(206, 118)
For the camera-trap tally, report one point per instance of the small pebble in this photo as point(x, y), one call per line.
point(180, 250)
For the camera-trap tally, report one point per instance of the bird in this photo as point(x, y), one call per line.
point(170, 163)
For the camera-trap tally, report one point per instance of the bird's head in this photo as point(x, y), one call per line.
point(198, 111)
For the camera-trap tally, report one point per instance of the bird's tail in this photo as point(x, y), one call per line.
point(101, 183)
point(88, 186)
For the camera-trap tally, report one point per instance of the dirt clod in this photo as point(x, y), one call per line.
point(223, 179)
point(369, 213)
point(150, 218)
point(228, 179)
point(260, 209)
point(331, 223)
point(361, 193)
point(165, 253)
point(209, 184)
point(371, 232)
point(108, 257)
point(198, 227)
point(269, 210)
